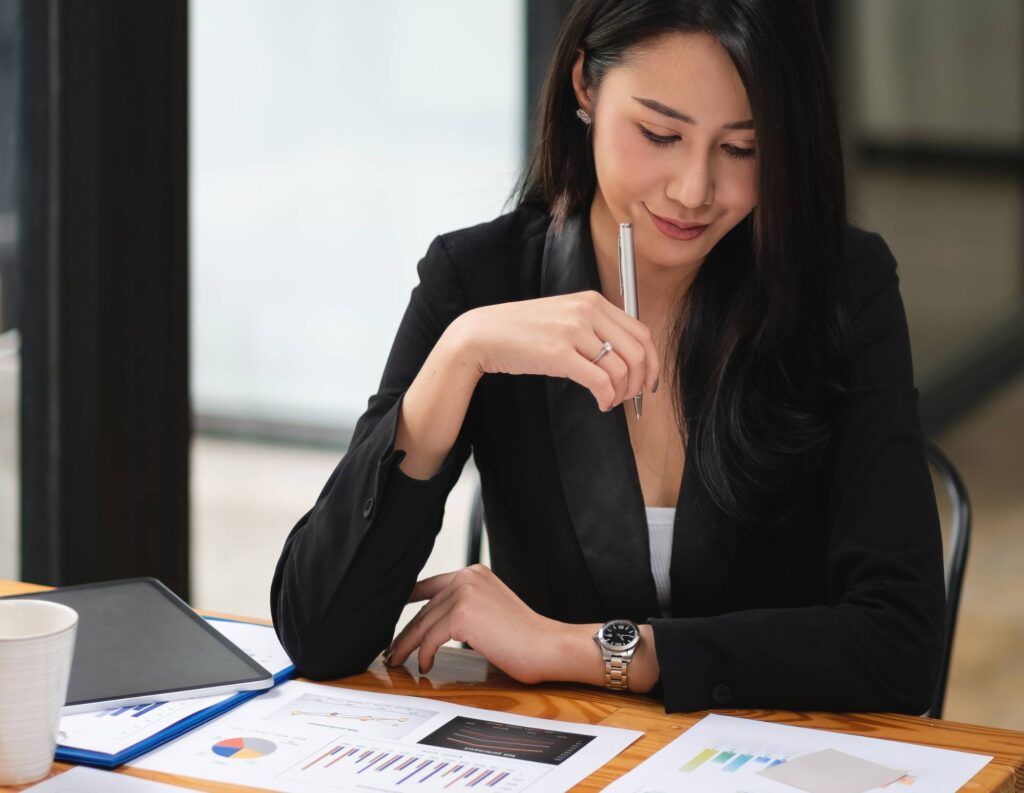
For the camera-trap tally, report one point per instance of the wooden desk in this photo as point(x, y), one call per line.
point(463, 677)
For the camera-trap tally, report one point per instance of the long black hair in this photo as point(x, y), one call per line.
point(761, 338)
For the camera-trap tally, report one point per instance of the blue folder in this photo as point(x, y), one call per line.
point(70, 754)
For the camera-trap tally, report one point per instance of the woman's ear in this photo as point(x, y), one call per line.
point(578, 85)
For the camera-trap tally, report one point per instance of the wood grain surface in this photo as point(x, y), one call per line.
point(464, 677)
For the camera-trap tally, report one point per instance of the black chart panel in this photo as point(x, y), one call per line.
point(507, 740)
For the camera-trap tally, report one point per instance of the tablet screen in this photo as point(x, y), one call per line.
point(137, 639)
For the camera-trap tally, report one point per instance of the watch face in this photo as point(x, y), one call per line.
point(619, 634)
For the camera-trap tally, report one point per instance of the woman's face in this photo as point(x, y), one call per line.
point(649, 159)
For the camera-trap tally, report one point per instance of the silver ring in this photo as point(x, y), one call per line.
point(605, 349)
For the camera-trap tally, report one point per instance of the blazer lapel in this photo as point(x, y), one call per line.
point(703, 545)
point(594, 454)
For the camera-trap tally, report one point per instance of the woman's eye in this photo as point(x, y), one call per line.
point(738, 153)
point(657, 140)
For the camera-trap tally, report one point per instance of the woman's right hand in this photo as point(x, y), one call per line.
point(559, 336)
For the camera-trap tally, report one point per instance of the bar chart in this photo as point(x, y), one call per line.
point(344, 766)
point(730, 761)
point(129, 720)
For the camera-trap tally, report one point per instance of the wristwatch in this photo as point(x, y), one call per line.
point(617, 640)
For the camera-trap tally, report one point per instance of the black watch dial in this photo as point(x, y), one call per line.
point(619, 633)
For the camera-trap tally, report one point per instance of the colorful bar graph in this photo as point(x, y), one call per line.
point(403, 768)
point(699, 760)
point(438, 767)
point(353, 750)
point(392, 761)
point(146, 709)
point(727, 761)
point(374, 760)
point(462, 776)
point(418, 768)
point(321, 757)
point(738, 762)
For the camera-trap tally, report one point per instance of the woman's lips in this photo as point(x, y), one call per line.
point(671, 230)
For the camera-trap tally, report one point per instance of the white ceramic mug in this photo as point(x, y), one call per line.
point(37, 640)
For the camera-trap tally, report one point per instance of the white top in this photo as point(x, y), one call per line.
point(660, 522)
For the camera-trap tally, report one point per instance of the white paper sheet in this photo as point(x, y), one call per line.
point(89, 780)
point(723, 754)
point(114, 730)
point(313, 738)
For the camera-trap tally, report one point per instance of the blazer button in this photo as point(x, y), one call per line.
point(721, 694)
point(368, 508)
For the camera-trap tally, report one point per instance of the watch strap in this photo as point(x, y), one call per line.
point(616, 672)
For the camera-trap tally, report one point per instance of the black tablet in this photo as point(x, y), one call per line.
point(139, 642)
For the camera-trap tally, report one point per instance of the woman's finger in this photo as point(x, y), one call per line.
point(440, 631)
point(428, 587)
point(618, 371)
point(641, 336)
point(639, 346)
point(412, 635)
point(629, 350)
point(591, 376)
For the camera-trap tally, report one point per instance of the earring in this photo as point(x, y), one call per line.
point(584, 116)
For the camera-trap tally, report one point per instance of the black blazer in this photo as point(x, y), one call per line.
point(841, 609)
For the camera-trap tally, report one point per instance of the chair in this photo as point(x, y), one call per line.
point(476, 527)
point(956, 558)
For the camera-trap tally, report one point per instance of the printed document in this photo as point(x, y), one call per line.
point(314, 738)
point(724, 754)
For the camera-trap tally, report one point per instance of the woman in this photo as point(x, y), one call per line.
point(791, 556)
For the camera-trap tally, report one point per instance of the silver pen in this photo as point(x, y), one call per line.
point(627, 288)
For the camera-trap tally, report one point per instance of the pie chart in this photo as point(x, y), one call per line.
point(243, 748)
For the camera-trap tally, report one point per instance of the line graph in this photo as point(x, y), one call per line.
point(368, 719)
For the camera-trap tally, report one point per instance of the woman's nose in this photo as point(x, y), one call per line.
point(692, 186)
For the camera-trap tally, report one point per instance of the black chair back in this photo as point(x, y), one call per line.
point(956, 560)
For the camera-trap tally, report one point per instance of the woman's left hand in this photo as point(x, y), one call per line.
point(473, 605)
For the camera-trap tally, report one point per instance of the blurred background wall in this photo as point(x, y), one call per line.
point(329, 142)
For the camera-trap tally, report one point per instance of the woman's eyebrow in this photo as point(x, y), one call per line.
point(665, 110)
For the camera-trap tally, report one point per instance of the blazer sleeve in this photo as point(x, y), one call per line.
point(876, 645)
point(348, 566)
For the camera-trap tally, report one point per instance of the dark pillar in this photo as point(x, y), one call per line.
point(103, 297)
